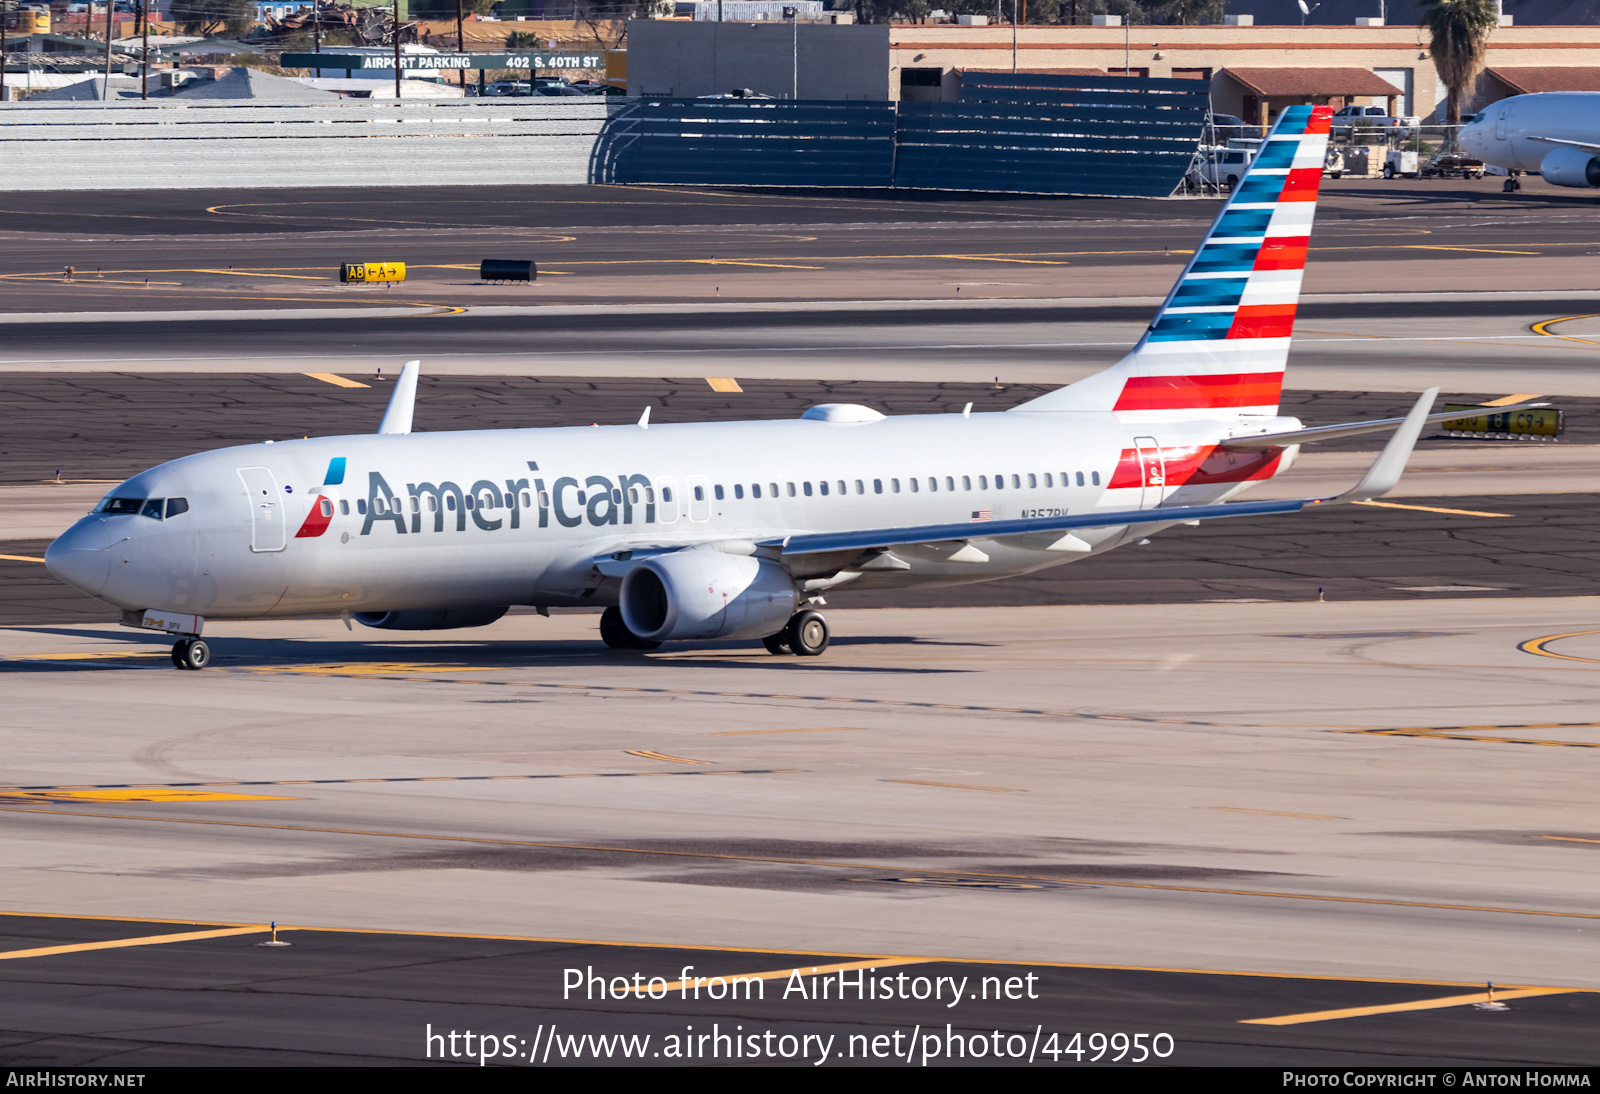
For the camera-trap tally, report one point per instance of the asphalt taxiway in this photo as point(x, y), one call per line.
point(1331, 770)
point(1368, 792)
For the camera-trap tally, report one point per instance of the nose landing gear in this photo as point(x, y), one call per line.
point(191, 653)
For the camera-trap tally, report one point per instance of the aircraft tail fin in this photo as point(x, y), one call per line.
point(1220, 340)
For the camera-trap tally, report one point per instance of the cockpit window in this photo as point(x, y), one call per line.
point(152, 508)
point(176, 506)
point(129, 506)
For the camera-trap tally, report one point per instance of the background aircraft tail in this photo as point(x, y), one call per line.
point(1219, 343)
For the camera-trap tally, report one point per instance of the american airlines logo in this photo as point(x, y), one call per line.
point(494, 504)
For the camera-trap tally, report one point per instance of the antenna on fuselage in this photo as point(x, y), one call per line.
point(397, 419)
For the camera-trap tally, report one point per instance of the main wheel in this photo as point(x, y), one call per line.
point(191, 654)
point(615, 633)
point(776, 643)
point(807, 634)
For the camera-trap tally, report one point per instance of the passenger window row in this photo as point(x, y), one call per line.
point(932, 484)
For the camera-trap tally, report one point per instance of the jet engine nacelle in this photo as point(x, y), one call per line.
point(1571, 167)
point(703, 592)
point(431, 619)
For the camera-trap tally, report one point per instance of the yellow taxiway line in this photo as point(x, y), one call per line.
point(124, 943)
point(1397, 1008)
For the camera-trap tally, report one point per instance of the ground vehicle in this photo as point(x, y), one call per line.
point(1334, 166)
point(1452, 165)
point(1225, 127)
point(1402, 162)
point(1224, 167)
point(1347, 119)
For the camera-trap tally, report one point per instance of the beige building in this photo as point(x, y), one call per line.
point(1271, 66)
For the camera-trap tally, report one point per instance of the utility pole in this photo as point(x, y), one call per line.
point(4, 15)
point(144, 56)
point(105, 92)
point(460, 43)
point(397, 52)
point(1127, 60)
point(1013, 37)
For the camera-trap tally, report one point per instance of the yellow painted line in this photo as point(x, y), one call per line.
point(753, 732)
point(1021, 261)
point(723, 383)
point(1476, 733)
point(739, 262)
point(1537, 646)
point(1273, 813)
point(263, 273)
point(1480, 250)
point(1397, 1008)
point(20, 558)
point(148, 794)
point(644, 753)
point(86, 656)
point(1509, 399)
point(784, 974)
point(870, 959)
point(958, 786)
point(1570, 839)
point(1433, 509)
point(124, 943)
point(335, 379)
point(1544, 329)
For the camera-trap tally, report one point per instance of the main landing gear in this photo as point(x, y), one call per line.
point(615, 633)
point(805, 635)
point(1511, 185)
point(191, 653)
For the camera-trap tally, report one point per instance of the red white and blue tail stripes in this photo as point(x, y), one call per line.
point(1219, 343)
point(1221, 339)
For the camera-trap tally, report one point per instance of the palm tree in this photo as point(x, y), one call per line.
point(1460, 38)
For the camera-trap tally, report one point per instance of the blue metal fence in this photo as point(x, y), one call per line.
point(1047, 134)
point(748, 142)
point(1101, 135)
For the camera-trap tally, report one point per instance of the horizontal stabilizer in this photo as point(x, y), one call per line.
point(1354, 429)
point(1381, 477)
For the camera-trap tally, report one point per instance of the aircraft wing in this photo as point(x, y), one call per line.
point(1381, 477)
point(1352, 429)
point(1585, 146)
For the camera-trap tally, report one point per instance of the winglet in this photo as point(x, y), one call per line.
point(1384, 474)
point(397, 419)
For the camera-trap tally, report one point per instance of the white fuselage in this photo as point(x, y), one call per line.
point(547, 506)
point(1502, 134)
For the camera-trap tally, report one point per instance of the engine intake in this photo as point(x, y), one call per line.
point(431, 619)
point(703, 592)
point(1571, 167)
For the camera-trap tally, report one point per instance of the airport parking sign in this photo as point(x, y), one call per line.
point(444, 62)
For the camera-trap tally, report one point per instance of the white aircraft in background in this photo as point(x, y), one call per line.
point(737, 529)
point(1556, 133)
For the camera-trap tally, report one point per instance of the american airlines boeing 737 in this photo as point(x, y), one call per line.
point(736, 530)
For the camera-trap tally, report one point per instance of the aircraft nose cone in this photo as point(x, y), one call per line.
point(81, 556)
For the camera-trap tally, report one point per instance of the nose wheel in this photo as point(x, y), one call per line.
point(191, 653)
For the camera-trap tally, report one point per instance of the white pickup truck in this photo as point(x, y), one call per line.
point(1374, 116)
